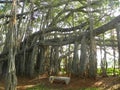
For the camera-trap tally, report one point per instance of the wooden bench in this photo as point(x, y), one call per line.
point(60, 78)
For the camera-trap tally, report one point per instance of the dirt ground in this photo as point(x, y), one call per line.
point(106, 83)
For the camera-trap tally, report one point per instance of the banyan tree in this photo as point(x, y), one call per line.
point(50, 36)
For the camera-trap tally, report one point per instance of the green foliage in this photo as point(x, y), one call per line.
point(5, 8)
point(99, 71)
point(109, 71)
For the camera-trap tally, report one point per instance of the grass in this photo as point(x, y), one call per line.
point(109, 71)
point(39, 87)
point(43, 87)
point(86, 89)
point(89, 89)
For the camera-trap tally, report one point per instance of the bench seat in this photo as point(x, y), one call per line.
point(60, 78)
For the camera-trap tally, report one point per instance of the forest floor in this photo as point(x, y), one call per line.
point(103, 83)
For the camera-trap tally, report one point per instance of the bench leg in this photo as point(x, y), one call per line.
point(66, 82)
point(51, 80)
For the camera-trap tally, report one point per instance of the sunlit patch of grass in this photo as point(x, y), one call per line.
point(110, 71)
point(39, 87)
point(43, 87)
point(89, 89)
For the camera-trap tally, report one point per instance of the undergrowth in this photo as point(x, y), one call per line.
point(43, 87)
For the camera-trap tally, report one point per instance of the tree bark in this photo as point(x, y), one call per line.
point(118, 39)
point(92, 55)
point(11, 80)
point(75, 59)
point(33, 59)
point(83, 58)
point(56, 58)
point(40, 60)
point(54, 61)
point(104, 60)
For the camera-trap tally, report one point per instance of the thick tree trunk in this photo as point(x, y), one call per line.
point(1, 65)
point(21, 65)
point(104, 60)
point(11, 80)
point(114, 55)
point(47, 60)
point(22, 61)
point(69, 64)
point(92, 56)
point(17, 64)
point(92, 64)
point(54, 61)
point(32, 61)
point(3, 68)
point(41, 60)
point(118, 38)
point(83, 59)
point(51, 61)
point(75, 59)
point(56, 58)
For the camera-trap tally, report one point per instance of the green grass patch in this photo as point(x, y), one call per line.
point(109, 71)
point(39, 87)
point(43, 87)
point(89, 89)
